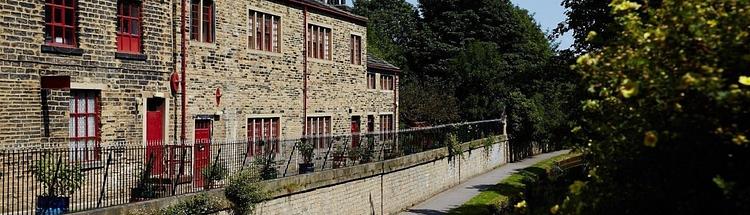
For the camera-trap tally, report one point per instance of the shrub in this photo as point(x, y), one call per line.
point(217, 171)
point(58, 177)
point(245, 191)
point(198, 204)
point(665, 122)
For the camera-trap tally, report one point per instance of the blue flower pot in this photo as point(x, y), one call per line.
point(51, 205)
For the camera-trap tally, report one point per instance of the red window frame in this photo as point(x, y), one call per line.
point(386, 82)
point(319, 130)
point(264, 31)
point(267, 130)
point(386, 126)
point(356, 49)
point(371, 81)
point(202, 23)
point(129, 26)
point(60, 23)
point(84, 142)
point(319, 42)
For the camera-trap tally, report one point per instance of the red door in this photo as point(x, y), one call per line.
point(202, 152)
point(355, 131)
point(155, 134)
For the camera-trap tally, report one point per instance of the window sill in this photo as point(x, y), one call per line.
point(201, 44)
point(62, 50)
point(386, 91)
point(318, 60)
point(129, 56)
point(261, 52)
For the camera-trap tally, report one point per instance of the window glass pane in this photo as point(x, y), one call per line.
point(71, 127)
point(91, 126)
point(135, 10)
point(276, 34)
point(69, 36)
point(134, 27)
point(69, 16)
point(81, 129)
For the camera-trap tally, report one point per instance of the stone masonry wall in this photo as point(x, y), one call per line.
point(123, 84)
point(385, 187)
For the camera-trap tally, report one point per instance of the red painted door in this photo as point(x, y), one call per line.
point(355, 131)
point(202, 151)
point(155, 134)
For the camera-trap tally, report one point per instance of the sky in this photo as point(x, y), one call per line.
point(548, 13)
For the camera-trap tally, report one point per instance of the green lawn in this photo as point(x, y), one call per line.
point(503, 191)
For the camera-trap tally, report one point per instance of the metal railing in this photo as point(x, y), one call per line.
point(131, 172)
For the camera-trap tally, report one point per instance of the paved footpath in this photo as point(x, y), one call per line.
point(458, 195)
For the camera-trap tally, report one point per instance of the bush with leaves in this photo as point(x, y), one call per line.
point(217, 171)
point(198, 204)
point(245, 191)
point(666, 122)
point(58, 177)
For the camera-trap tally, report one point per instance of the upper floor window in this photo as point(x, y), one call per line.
point(386, 82)
point(319, 42)
point(356, 49)
point(371, 81)
point(83, 125)
point(263, 135)
point(202, 19)
point(129, 26)
point(60, 23)
point(264, 32)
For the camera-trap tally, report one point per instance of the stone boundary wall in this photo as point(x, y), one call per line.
point(385, 187)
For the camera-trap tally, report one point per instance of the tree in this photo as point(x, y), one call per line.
point(586, 16)
point(665, 120)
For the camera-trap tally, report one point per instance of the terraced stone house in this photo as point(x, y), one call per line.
point(86, 73)
point(91, 74)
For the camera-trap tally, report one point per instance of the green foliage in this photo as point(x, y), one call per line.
point(198, 204)
point(453, 145)
point(58, 177)
point(665, 120)
point(267, 166)
point(217, 171)
point(245, 191)
point(306, 149)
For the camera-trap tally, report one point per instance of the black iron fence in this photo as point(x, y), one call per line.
point(58, 180)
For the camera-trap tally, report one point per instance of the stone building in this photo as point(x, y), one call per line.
point(84, 73)
point(92, 75)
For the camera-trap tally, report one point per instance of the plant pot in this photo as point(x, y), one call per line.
point(306, 168)
point(140, 194)
point(51, 205)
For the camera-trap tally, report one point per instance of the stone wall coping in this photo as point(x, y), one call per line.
point(292, 185)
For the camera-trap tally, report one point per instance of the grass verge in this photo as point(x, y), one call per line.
point(508, 188)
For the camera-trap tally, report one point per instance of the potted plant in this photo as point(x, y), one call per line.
point(217, 171)
point(306, 149)
point(339, 156)
point(60, 181)
point(267, 164)
point(144, 189)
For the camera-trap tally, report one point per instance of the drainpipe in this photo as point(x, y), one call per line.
point(304, 74)
point(182, 68)
point(395, 101)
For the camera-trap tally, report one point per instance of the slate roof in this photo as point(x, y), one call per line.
point(375, 63)
point(331, 9)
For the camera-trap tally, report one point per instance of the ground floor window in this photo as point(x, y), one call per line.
point(83, 125)
point(263, 135)
point(318, 130)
